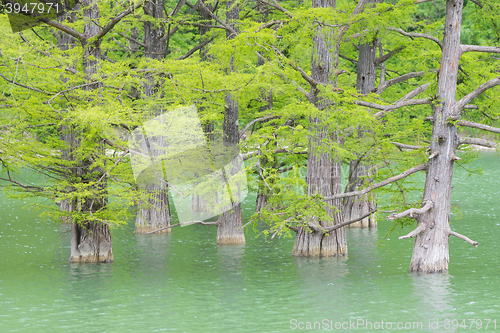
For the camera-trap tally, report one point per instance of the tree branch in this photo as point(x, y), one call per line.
point(335, 227)
point(428, 205)
point(196, 48)
point(380, 89)
point(478, 48)
point(64, 28)
point(478, 142)
point(397, 105)
point(27, 87)
point(372, 187)
point(275, 5)
point(117, 19)
point(418, 229)
point(387, 56)
point(415, 92)
point(478, 91)
point(418, 35)
point(465, 238)
point(479, 126)
point(255, 121)
point(403, 146)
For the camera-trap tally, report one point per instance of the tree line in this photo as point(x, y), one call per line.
point(296, 89)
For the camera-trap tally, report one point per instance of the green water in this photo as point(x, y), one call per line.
point(184, 283)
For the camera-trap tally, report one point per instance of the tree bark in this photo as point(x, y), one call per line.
point(430, 251)
point(229, 228)
point(354, 207)
point(155, 212)
point(91, 239)
point(323, 170)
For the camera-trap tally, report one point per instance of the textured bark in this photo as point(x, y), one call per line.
point(66, 42)
point(155, 212)
point(354, 207)
point(91, 240)
point(323, 170)
point(229, 228)
point(430, 251)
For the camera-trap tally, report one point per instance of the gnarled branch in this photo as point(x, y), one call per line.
point(412, 211)
point(478, 48)
point(418, 229)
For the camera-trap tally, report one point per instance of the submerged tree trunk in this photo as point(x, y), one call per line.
point(91, 239)
point(359, 172)
point(229, 227)
point(354, 207)
point(154, 213)
point(323, 170)
point(430, 251)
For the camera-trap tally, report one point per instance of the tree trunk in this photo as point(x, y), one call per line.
point(229, 228)
point(430, 251)
point(155, 212)
point(90, 239)
point(66, 42)
point(323, 170)
point(355, 207)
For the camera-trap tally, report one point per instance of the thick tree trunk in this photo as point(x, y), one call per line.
point(90, 239)
point(155, 212)
point(323, 170)
point(66, 42)
point(355, 207)
point(229, 228)
point(430, 251)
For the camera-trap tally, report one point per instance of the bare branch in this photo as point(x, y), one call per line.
point(418, 35)
point(335, 227)
point(465, 238)
point(478, 48)
point(478, 91)
point(372, 187)
point(403, 146)
point(478, 142)
point(418, 229)
point(479, 126)
point(412, 211)
point(415, 92)
point(387, 108)
point(380, 89)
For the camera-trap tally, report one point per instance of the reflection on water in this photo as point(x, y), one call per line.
point(184, 282)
